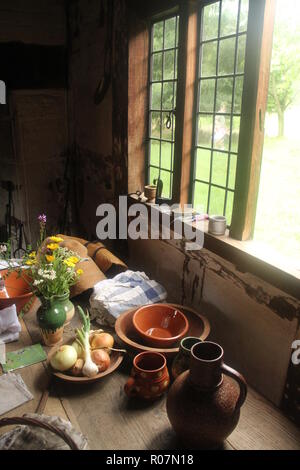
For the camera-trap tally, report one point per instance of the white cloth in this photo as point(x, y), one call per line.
point(112, 297)
point(9, 325)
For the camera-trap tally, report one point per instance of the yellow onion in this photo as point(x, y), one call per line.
point(102, 340)
point(101, 359)
point(64, 358)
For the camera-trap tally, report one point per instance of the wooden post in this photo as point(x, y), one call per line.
point(255, 95)
point(185, 107)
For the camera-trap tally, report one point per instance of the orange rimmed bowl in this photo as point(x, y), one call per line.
point(160, 325)
point(17, 288)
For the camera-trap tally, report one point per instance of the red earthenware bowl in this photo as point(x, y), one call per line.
point(18, 290)
point(160, 325)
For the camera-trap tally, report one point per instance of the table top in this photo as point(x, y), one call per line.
point(110, 421)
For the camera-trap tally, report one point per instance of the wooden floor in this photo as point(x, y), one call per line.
point(112, 422)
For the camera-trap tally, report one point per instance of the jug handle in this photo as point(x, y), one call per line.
point(240, 380)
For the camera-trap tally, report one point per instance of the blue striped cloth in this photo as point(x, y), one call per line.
point(129, 289)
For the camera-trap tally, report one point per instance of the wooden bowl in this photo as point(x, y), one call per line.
point(198, 326)
point(115, 360)
point(160, 325)
point(18, 290)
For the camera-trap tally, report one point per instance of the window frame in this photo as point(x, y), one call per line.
point(261, 17)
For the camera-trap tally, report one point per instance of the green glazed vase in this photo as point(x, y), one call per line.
point(52, 316)
point(181, 362)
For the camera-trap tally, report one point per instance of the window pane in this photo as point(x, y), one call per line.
point(166, 155)
point(207, 95)
point(222, 131)
point(240, 66)
point(167, 133)
point(219, 168)
point(224, 95)
point(235, 133)
point(229, 206)
point(210, 21)
point(201, 196)
point(153, 174)
point(209, 59)
point(155, 125)
point(157, 66)
point(203, 164)
point(154, 152)
point(232, 171)
point(165, 177)
point(238, 90)
point(170, 26)
point(162, 102)
point(226, 56)
point(216, 202)
point(156, 96)
point(167, 101)
point(244, 15)
point(205, 126)
point(158, 36)
point(229, 17)
point(169, 58)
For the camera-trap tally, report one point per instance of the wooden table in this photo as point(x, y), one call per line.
point(110, 421)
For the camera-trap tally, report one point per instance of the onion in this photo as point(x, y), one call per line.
point(102, 340)
point(64, 358)
point(79, 350)
point(101, 358)
point(77, 368)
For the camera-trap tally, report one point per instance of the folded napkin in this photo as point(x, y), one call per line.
point(130, 289)
point(9, 325)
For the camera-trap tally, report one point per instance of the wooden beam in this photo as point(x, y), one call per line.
point(254, 103)
point(185, 105)
point(137, 101)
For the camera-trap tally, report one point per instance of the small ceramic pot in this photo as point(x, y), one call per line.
point(51, 317)
point(150, 193)
point(149, 376)
point(181, 362)
point(217, 225)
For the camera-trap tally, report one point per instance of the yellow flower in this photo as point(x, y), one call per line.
point(73, 259)
point(30, 262)
point(69, 263)
point(49, 258)
point(79, 271)
point(56, 239)
point(52, 246)
point(32, 254)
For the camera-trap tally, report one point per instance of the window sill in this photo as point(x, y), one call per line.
point(249, 256)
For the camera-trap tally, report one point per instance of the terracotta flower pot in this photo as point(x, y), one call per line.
point(18, 290)
point(203, 404)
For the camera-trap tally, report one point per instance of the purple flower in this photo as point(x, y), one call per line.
point(42, 218)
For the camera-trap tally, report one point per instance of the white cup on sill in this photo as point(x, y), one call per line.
point(217, 224)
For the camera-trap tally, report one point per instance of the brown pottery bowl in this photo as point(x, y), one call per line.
point(160, 325)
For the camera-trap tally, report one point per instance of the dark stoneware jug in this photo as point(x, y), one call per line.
point(203, 404)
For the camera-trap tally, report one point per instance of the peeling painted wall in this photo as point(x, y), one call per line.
point(253, 321)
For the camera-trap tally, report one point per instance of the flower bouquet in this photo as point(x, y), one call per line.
point(51, 271)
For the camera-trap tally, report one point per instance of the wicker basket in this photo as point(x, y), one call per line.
point(47, 426)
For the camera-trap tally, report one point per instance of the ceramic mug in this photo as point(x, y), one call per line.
point(217, 225)
point(149, 376)
point(150, 193)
